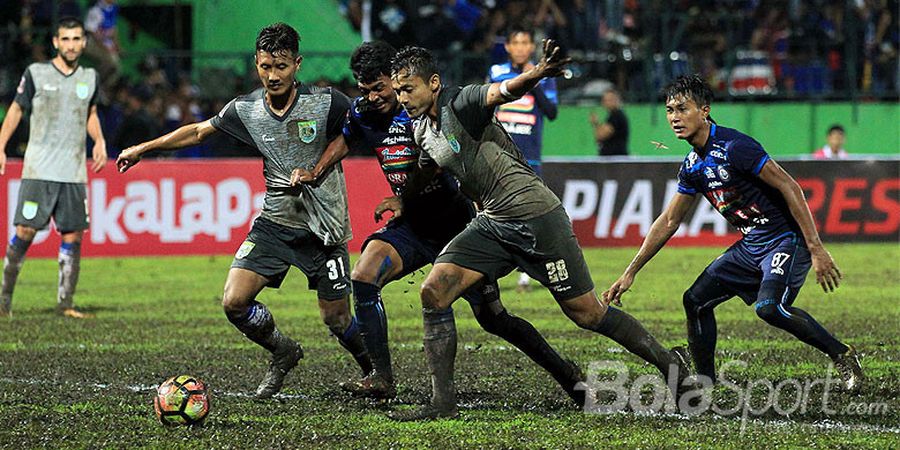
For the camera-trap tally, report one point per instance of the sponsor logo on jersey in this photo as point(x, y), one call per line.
point(82, 90)
point(717, 154)
point(714, 184)
point(724, 173)
point(396, 152)
point(396, 178)
point(710, 173)
point(307, 130)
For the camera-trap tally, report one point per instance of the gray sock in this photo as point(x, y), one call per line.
point(440, 352)
point(258, 325)
point(12, 264)
point(69, 268)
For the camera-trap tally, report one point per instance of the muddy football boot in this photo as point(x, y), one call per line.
point(576, 379)
point(422, 413)
point(682, 358)
point(371, 386)
point(848, 367)
point(284, 358)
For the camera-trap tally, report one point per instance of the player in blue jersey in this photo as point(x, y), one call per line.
point(425, 218)
point(523, 119)
point(780, 243)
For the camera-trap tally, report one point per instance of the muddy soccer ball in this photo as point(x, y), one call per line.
point(181, 400)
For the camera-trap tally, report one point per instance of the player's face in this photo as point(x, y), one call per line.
point(277, 72)
point(379, 94)
point(69, 43)
point(520, 48)
point(415, 94)
point(685, 117)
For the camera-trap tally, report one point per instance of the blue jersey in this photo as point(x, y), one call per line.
point(440, 206)
point(523, 119)
point(726, 171)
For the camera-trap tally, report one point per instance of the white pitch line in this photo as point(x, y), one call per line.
point(144, 388)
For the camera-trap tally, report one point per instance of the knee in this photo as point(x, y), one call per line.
point(336, 321)
point(25, 233)
point(689, 302)
point(768, 310)
point(585, 320)
point(234, 304)
point(363, 274)
point(491, 322)
point(434, 296)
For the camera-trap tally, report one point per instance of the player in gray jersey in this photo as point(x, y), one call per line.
point(521, 222)
point(303, 225)
point(60, 98)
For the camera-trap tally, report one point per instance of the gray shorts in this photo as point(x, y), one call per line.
point(66, 203)
point(544, 247)
point(271, 249)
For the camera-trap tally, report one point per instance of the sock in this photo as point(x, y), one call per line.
point(440, 352)
point(627, 331)
point(69, 268)
point(799, 323)
point(525, 337)
point(12, 264)
point(372, 322)
point(352, 341)
point(258, 325)
point(701, 330)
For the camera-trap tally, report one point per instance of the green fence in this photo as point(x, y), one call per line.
point(782, 128)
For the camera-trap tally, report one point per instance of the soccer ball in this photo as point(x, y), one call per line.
point(181, 400)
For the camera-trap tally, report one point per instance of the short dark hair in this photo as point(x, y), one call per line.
point(835, 127)
point(278, 38)
point(371, 60)
point(67, 22)
point(693, 87)
point(416, 61)
point(517, 29)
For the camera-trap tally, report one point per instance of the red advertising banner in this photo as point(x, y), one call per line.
point(185, 207)
point(614, 203)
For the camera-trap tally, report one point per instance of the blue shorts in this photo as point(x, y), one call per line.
point(780, 264)
point(415, 251)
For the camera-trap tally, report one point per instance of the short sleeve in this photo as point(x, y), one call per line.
point(748, 156)
point(228, 121)
point(471, 109)
point(337, 114)
point(25, 90)
point(95, 97)
point(352, 129)
point(684, 186)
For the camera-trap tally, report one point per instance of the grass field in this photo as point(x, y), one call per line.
point(68, 383)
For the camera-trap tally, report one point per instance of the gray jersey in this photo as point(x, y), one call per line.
point(469, 142)
point(57, 106)
point(296, 139)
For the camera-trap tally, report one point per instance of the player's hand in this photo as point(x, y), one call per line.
point(100, 157)
point(827, 273)
point(2, 162)
point(128, 158)
point(393, 204)
point(614, 293)
point(595, 121)
point(301, 175)
point(552, 63)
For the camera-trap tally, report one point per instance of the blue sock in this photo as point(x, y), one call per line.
point(373, 325)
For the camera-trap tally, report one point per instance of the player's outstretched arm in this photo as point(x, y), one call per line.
point(10, 123)
point(96, 133)
point(192, 134)
point(660, 232)
point(552, 64)
point(337, 149)
point(827, 273)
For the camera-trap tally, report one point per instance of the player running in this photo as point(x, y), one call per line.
point(60, 97)
point(291, 124)
point(521, 222)
point(769, 264)
point(424, 221)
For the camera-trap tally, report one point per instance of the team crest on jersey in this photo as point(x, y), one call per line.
point(723, 174)
point(454, 144)
point(307, 130)
point(82, 90)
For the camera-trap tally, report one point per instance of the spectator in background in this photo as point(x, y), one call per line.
point(523, 119)
point(103, 41)
point(834, 147)
point(611, 135)
point(138, 124)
